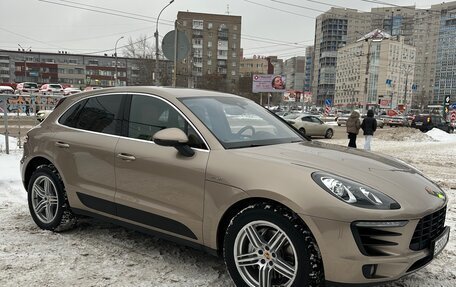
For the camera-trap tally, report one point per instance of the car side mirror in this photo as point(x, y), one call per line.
point(176, 138)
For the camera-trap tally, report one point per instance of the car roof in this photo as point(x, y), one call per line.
point(165, 92)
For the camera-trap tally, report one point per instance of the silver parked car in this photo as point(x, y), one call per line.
point(310, 125)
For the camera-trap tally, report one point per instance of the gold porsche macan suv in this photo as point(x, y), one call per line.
point(218, 172)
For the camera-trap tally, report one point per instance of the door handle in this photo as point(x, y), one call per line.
point(126, 157)
point(62, 145)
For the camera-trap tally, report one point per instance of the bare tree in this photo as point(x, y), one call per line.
point(143, 51)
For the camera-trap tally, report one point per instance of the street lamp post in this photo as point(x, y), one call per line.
point(156, 70)
point(25, 60)
point(115, 55)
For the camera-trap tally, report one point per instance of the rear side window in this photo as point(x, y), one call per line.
point(98, 114)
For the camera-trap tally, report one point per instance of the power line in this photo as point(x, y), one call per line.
point(281, 10)
point(104, 12)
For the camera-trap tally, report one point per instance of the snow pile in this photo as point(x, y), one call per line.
point(441, 136)
point(405, 134)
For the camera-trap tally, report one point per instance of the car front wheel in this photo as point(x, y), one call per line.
point(267, 245)
point(47, 200)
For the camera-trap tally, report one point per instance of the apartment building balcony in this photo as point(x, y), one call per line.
point(222, 63)
point(197, 34)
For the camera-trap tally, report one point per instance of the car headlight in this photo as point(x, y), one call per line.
point(354, 193)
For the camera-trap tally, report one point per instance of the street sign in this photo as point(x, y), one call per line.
point(328, 102)
point(453, 106)
point(168, 44)
point(453, 116)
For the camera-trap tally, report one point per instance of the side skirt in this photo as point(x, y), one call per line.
point(148, 231)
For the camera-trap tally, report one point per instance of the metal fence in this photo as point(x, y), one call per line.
point(19, 113)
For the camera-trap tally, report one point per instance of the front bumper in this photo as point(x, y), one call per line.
point(347, 263)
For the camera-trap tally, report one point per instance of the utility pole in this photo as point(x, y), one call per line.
point(25, 60)
point(115, 54)
point(156, 70)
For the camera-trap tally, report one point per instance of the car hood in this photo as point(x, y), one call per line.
point(409, 187)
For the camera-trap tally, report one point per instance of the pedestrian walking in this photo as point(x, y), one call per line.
point(369, 126)
point(353, 125)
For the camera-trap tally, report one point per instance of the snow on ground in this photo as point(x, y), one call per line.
point(100, 254)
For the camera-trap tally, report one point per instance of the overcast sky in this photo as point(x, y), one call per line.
point(269, 27)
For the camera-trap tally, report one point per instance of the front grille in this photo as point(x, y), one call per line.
point(372, 240)
point(428, 229)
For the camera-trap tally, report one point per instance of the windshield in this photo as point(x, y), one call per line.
point(238, 122)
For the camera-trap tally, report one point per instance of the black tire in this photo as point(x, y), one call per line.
point(329, 133)
point(297, 244)
point(302, 131)
point(50, 201)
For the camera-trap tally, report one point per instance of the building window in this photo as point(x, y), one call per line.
point(198, 24)
point(209, 44)
point(209, 62)
point(233, 73)
point(209, 25)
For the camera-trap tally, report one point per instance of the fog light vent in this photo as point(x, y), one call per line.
point(369, 270)
point(373, 236)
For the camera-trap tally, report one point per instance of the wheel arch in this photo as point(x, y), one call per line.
point(236, 208)
point(32, 165)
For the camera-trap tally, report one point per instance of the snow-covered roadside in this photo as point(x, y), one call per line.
point(100, 254)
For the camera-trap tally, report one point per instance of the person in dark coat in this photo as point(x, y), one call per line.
point(353, 125)
point(369, 126)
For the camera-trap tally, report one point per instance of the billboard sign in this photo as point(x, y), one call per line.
point(268, 83)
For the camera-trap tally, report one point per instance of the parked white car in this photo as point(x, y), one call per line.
point(51, 89)
point(70, 91)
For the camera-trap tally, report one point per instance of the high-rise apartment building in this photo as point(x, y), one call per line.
point(445, 66)
point(431, 31)
point(309, 69)
point(378, 71)
point(215, 51)
point(333, 30)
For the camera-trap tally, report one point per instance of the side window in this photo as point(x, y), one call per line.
point(148, 115)
point(98, 114)
point(70, 117)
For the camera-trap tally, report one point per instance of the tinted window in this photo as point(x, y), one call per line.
point(98, 114)
point(69, 118)
point(148, 115)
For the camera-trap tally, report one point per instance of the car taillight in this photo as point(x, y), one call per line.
point(49, 90)
point(59, 102)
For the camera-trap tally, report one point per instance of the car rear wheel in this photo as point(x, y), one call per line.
point(329, 133)
point(267, 245)
point(47, 200)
